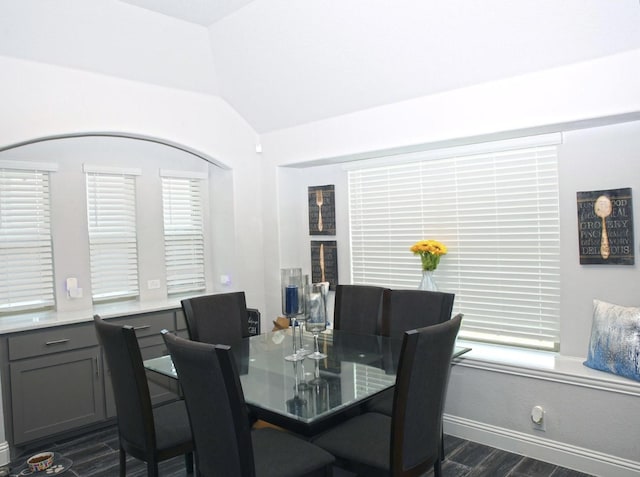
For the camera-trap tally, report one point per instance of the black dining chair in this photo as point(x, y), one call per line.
point(152, 434)
point(408, 443)
point(358, 309)
point(405, 310)
point(217, 319)
point(224, 441)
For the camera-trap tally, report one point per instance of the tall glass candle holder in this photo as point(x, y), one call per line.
point(317, 319)
point(292, 303)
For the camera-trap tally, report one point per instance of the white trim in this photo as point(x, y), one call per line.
point(546, 366)
point(129, 171)
point(541, 140)
point(547, 450)
point(5, 454)
point(184, 174)
point(29, 166)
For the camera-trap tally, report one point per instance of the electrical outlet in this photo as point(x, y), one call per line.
point(538, 418)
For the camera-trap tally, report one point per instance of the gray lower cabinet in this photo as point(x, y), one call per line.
point(56, 380)
point(56, 393)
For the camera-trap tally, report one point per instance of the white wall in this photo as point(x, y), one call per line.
point(594, 159)
point(537, 102)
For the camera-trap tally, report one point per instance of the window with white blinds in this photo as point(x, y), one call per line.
point(496, 211)
point(182, 204)
point(26, 258)
point(111, 210)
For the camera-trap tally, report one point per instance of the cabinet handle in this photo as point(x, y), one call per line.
point(141, 327)
point(54, 342)
point(97, 366)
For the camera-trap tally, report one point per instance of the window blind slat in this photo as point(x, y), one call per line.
point(498, 215)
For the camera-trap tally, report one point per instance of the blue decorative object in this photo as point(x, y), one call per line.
point(291, 300)
point(615, 340)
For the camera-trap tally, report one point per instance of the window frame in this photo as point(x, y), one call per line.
point(184, 230)
point(112, 232)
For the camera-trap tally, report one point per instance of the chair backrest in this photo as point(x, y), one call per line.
point(405, 310)
point(216, 407)
point(129, 381)
point(358, 309)
point(217, 319)
point(419, 397)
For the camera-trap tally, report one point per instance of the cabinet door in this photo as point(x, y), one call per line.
point(56, 393)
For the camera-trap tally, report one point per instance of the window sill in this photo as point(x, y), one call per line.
point(543, 365)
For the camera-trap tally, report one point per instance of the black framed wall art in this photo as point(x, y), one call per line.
point(324, 262)
point(322, 210)
point(605, 227)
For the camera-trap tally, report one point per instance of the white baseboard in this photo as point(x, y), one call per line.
point(5, 454)
point(558, 453)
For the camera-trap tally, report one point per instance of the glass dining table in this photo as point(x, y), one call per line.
point(309, 395)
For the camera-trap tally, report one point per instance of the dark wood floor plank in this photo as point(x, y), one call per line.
point(498, 464)
point(563, 472)
point(532, 468)
point(451, 443)
point(95, 454)
point(470, 454)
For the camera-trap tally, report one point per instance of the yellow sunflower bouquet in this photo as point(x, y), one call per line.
point(430, 252)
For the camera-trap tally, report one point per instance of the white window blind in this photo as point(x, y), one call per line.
point(111, 208)
point(183, 233)
point(26, 263)
point(497, 212)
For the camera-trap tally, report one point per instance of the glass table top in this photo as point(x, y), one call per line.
point(305, 392)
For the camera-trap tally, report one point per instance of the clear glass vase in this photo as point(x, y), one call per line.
point(427, 283)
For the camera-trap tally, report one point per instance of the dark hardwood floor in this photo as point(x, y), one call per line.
point(95, 454)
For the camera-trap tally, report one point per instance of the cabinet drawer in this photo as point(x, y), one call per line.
point(148, 324)
point(51, 340)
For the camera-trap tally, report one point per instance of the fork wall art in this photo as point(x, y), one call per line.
point(605, 227)
point(322, 210)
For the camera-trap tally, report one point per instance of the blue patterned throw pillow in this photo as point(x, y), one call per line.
point(615, 340)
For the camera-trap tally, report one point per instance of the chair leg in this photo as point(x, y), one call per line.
point(188, 462)
point(437, 468)
point(442, 445)
point(152, 468)
point(123, 463)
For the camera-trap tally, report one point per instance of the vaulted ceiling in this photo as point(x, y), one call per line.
point(281, 63)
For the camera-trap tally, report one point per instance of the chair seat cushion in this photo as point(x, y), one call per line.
point(365, 439)
point(172, 425)
point(279, 454)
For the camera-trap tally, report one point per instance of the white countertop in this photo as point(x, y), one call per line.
point(45, 319)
